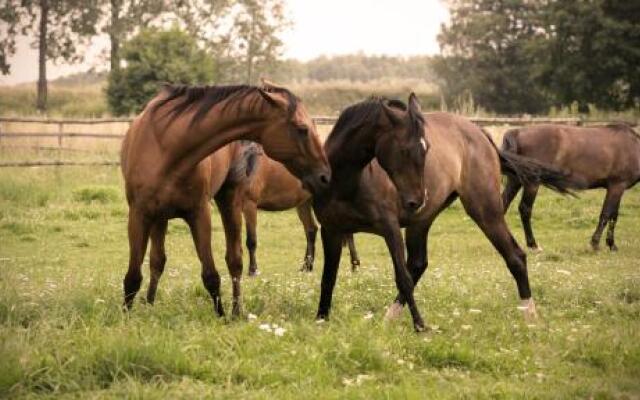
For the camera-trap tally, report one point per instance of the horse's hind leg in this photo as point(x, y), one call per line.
point(510, 191)
point(353, 253)
point(230, 206)
point(157, 258)
point(612, 226)
point(250, 211)
point(310, 230)
point(487, 214)
point(200, 224)
point(609, 213)
point(525, 208)
point(138, 230)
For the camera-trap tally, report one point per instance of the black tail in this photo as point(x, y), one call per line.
point(245, 165)
point(527, 170)
point(530, 171)
point(510, 141)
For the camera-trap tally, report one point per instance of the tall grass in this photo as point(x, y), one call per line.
point(87, 101)
point(62, 333)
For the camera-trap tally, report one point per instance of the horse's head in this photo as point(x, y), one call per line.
point(401, 150)
point(292, 139)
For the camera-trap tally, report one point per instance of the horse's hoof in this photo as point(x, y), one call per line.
point(307, 264)
point(535, 249)
point(393, 312)
point(253, 273)
point(355, 264)
point(528, 308)
point(595, 246)
point(613, 247)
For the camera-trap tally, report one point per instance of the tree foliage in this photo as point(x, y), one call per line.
point(60, 27)
point(515, 56)
point(154, 57)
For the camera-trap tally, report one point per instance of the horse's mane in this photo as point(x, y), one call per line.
point(206, 97)
point(623, 127)
point(367, 113)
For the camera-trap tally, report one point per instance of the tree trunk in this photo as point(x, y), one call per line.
point(42, 57)
point(114, 34)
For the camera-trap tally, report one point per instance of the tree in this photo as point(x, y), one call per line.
point(593, 50)
point(524, 55)
point(489, 51)
point(124, 17)
point(252, 45)
point(61, 28)
point(154, 57)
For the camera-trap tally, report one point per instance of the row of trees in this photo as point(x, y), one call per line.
point(514, 56)
point(240, 36)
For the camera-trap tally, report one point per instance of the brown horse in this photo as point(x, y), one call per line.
point(167, 172)
point(605, 157)
point(265, 184)
point(382, 196)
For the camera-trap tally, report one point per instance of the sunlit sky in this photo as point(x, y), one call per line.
point(330, 27)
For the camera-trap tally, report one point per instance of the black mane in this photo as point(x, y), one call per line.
point(366, 115)
point(206, 97)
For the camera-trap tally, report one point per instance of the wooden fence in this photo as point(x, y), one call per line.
point(58, 133)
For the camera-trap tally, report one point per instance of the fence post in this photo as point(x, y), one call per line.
point(60, 131)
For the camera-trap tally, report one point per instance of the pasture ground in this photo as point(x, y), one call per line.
point(63, 254)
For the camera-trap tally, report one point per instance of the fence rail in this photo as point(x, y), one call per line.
point(60, 134)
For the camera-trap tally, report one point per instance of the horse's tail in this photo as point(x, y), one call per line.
point(510, 141)
point(245, 165)
point(530, 171)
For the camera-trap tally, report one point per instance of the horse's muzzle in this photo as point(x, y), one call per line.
point(317, 181)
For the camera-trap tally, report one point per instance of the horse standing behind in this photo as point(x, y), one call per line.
point(258, 182)
point(605, 157)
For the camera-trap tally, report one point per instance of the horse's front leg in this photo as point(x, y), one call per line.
point(332, 247)
point(404, 282)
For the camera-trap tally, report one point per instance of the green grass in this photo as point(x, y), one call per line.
point(63, 254)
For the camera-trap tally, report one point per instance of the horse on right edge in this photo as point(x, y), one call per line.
point(606, 157)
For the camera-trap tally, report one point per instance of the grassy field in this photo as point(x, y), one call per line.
point(63, 254)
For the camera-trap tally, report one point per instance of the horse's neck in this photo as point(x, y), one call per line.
point(348, 167)
point(193, 144)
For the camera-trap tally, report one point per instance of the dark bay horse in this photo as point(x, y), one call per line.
point(167, 172)
point(265, 184)
point(444, 157)
point(605, 157)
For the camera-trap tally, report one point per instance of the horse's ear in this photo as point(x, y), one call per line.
point(415, 115)
point(268, 85)
point(274, 99)
point(393, 113)
point(414, 104)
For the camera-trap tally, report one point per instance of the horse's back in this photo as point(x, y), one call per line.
point(593, 155)
point(275, 188)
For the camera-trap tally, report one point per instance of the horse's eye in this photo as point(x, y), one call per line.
point(303, 131)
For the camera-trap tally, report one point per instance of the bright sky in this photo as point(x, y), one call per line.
point(391, 27)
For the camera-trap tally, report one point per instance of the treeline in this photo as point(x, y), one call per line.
point(239, 38)
point(515, 56)
point(356, 68)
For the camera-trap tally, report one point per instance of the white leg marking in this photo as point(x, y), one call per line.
point(528, 308)
point(393, 312)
